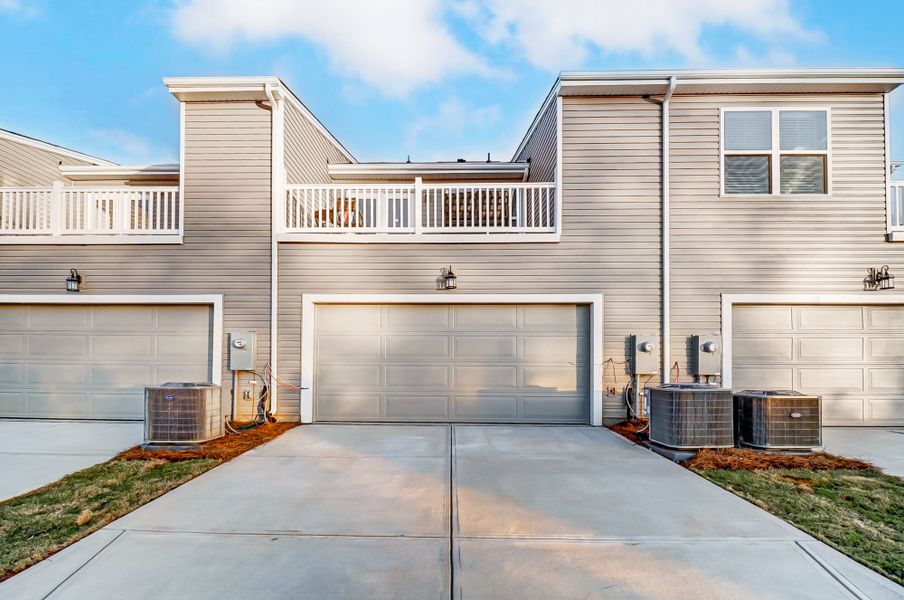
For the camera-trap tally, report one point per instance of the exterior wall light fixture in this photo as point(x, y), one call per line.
point(878, 279)
point(74, 281)
point(447, 279)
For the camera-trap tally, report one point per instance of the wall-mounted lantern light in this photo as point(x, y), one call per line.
point(878, 279)
point(447, 279)
point(73, 281)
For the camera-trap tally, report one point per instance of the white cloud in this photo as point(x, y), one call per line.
point(18, 8)
point(127, 148)
point(393, 45)
point(562, 34)
point(458, 126)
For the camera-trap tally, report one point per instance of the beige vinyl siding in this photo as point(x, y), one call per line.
point(308, 151)
point(22, 165)
point(789, 244)
point(609, 243)
point(226, 246)
point(541, 147)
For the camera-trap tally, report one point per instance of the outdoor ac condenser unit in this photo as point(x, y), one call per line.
point(778, 419)
point(182, 413)
point(691, 415)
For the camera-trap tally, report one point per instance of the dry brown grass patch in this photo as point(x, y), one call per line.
point(745, 459)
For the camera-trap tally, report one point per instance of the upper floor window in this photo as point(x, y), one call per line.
point(775, 151)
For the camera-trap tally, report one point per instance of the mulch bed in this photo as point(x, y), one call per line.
point(225, 448)
point(746, 459)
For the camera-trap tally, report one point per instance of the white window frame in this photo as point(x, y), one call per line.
point(776, 152)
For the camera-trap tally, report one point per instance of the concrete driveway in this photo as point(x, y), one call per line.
point(882, 446)
point(438, 512)
point(35, 453)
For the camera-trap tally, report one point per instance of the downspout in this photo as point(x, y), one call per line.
point(666, 258)
point(277, 182)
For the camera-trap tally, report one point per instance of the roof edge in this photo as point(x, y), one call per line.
point(49, 147)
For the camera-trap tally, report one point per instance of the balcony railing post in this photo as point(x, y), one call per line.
point(57, 209)
point(416, 206)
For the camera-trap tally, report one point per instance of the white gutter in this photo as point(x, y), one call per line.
point(277, 190)
point(666, 255)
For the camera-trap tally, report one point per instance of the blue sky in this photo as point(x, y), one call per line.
point(436, 80)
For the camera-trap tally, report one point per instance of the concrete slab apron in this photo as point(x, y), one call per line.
point(582, 513)
point(321, 512)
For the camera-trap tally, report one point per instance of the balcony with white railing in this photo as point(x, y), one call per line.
point(421, 213)
point(895, 210)
point(90, 215)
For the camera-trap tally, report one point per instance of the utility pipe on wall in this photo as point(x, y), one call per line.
point(277, 186)
point(666, 292)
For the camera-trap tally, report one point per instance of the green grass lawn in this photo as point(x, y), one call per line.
point(860, 513)
point(35, 525)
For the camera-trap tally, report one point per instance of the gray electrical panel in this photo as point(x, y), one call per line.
point(241, 351)
point(707, 353)
point(644, 354)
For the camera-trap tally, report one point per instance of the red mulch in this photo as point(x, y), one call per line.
point(747, 459)
point(225, 448)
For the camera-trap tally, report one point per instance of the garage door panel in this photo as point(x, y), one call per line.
point(850, 355)
point(834, 349)
point(780, 378)
point(57, 345)
point(48, 374)
point(350, 347)
point(768, 349)
point(50, 317)
point(413, 407)
point(122, 346)
point(556, 318)
point(887, 349)
point(486, 406)
point(12, 374)
point(497, 347)
point(417, 376)
point(116, 318)
point(458, 363)
point(829, 318)
point(559, 407)
point(420, 346)
point(349, 406)
point(93, 361)
point(405, 318)
point(763, 318)
point(886, 380)
point(554, 348)
point(882, 318)
point(486, 377)
point(356, 318)
point(58, 405)
point(482, 317)
point(11, 345)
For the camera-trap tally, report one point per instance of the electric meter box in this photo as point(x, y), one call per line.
point(644, 354)
point(707, 353)
point(241, 351)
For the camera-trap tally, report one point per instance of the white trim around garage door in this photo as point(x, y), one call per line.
point(310, 301)
point(214, 300)
point(730, 300)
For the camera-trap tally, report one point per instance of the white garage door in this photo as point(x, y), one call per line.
point(93, 361)
point(452, 363)
point(852, 355)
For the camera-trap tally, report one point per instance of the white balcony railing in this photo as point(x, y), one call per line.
point(80, 215)
point(895, 208)
point(420, 212)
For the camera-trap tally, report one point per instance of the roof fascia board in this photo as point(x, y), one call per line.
point(553, 93)
point(41, 145)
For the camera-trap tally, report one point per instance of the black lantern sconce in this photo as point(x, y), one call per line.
point(878, 279)
point(74, 281)
point(447, 279)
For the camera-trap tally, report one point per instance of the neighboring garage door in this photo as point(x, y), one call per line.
point(93, 361)
point(452, 363)
point(852, 355)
